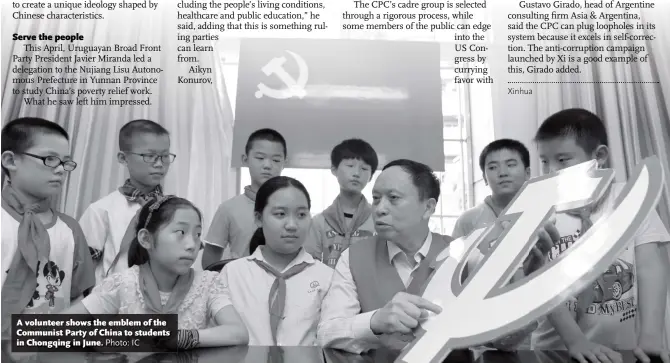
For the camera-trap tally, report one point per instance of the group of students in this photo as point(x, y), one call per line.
point(628, 306)
point(133, 250)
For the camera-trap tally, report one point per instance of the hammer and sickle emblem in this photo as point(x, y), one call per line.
point(293, 87)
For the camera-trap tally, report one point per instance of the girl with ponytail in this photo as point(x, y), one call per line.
point(160, 279)
point(279, 288)
point(258, 239)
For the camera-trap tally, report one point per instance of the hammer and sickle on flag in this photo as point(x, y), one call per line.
point(485, 306)
point(295, 87)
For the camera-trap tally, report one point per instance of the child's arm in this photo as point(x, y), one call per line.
point(653, 282)
point(94, 226)
point(217, 237)
point(103, 299)
point(459, 228)
point(580, 348)
point(230, 330)
point(314, 243)
point(566, 326)
point(651, 267)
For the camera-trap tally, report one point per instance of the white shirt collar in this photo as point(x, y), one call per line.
point(394, 250)
point(302, 256)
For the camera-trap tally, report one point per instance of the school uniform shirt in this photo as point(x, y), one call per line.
point(65, 275)
point(482, 215)
point(120, 294)
point(326, 245)
point(248, 287)
point(232, 226)
point(104, 224)
point(612, 320)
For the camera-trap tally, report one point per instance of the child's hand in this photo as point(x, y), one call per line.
point(547, 236)
point(585, 351)
point(643, 351)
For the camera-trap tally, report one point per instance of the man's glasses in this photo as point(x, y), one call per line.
point(54, 161)
point(152, 158)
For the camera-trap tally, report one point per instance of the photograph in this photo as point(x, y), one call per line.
point(355, 181)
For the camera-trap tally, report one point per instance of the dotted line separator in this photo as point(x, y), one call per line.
point(521, 82)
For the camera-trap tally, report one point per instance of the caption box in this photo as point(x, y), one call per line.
point(100, 333)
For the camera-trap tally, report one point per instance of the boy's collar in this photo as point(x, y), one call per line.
point(130, 182)
point(134, 194)
point(490, 202)
point(250, 193)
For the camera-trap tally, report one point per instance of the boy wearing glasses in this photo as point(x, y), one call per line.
point(46, 263)
point(109, 222)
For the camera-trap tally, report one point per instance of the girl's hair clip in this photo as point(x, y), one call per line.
point(162, 199)
point(155, 206)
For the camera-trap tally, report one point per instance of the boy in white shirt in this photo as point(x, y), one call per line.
point(633, 291)
point(45, 259)
point(505, 165)
point(144, 149)
point(233, 224)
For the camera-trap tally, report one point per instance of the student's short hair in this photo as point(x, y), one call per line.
point(135, 127)
point(354, 149)
point(422, 176)
point(505, 144)
point(19, 134)
point(263, 195)
point(267, 135)
point(588, 129)
point(153, 221)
